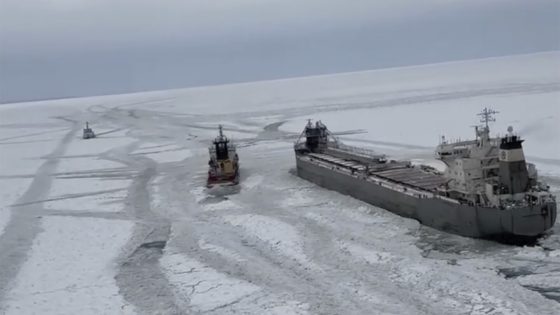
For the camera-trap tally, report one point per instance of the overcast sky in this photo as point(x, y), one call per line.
point(64, 48)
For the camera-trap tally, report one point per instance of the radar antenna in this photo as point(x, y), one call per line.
point(309, 123)
point(486, 116)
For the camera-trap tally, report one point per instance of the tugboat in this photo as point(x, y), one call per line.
point(487, 191)
point(88, 132)
point(223, 165)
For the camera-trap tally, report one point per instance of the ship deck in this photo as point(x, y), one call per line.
point(397, 172)
point(412, 176)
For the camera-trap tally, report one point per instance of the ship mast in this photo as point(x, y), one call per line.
point(221, 137)
point(487, 116)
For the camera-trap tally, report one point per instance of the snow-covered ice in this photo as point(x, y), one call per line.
point(206, 290)
point(279, 236)
point(71, 269)
point(164, 153)
point(4, 219)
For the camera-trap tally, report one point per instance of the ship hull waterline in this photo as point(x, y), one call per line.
point(462, 219)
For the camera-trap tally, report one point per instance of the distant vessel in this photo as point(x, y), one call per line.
point(88, 132)
point(223, 166)
point(487, 190)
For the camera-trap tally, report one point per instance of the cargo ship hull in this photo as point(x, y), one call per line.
point(429, 209)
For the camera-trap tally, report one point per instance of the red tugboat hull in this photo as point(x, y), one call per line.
point(227, 181)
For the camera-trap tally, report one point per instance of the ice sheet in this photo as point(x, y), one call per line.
point(71, 269)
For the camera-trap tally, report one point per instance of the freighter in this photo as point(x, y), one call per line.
point(223, 165)
point(486, 191)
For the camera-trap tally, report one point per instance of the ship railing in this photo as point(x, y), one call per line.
point(413, 191)
point(410, 190)
point(509, 204)
point(358, 150)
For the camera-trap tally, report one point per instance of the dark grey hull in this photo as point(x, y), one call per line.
point(461, 219)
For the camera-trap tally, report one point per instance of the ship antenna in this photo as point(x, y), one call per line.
point(487, 115)
point(221, 132)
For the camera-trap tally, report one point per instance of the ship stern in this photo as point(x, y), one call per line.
point(531, 221)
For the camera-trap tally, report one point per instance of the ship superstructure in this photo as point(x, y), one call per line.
point(487, 189)
point(223, 165)
point(491, 171)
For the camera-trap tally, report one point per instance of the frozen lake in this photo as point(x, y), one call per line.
point(122, 224)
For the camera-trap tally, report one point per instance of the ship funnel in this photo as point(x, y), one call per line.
point(514, 177)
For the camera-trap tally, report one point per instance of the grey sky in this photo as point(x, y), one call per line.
point(62, 48)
